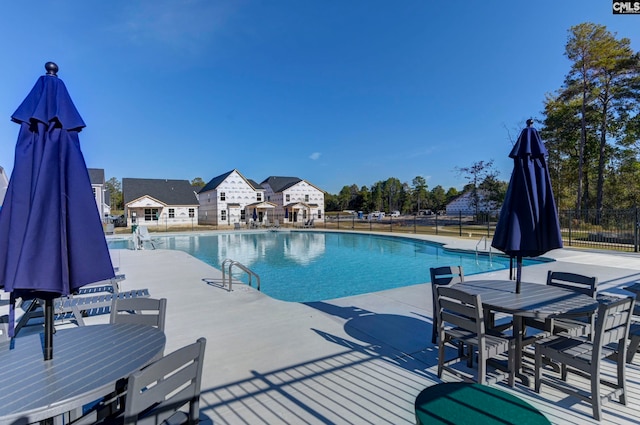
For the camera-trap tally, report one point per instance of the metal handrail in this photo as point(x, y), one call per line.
point(241, 266)
point(484, 238)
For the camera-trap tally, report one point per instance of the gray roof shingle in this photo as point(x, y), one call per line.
point(170, 192)
point(215, 182)
point(96, 175)
point(279, 183)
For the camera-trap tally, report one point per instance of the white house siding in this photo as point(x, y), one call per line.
point(4, 184)
point(302, 193)
point(463, 205)
point(237, 192)
point(98, 194)
point(151, 212)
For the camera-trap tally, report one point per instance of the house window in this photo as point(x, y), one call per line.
point(319, 213)
point(172, 213)
point(259, 197)
point(288, 197)
point(243, 215)
point(306, 198)
point(151, 214)
point(94, 192)
point(192, 212)
point(208, 197)
point(223, 215)
point(223, 196)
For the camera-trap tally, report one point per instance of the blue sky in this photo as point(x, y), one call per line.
point(336, 92)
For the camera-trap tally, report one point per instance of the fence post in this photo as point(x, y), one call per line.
point(488, 224)
point(635, 230)
point(415, 221)
point(570, 222)
point(436, 222)
point(460, 222)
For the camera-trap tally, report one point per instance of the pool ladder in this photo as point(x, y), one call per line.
point(230, 263)
point(484, 238)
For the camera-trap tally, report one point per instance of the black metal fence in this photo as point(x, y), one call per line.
point(606, 229)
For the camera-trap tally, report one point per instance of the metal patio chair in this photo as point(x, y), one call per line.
point(442, 276)
point(577, 326)
point(143, 311)
point(584, 357)
point(461, 323)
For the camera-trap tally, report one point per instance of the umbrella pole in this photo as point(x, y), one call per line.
point(48, 329)
point(518, 274)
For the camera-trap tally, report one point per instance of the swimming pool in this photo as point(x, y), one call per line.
point(317, 266)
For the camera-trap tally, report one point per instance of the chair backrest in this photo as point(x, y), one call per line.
point(442, 276)
point(460, 309)
point(576, 282)
point(612, 324)
point(139, 310)
point(446, 275)
point(159, 390)
point(143, 231)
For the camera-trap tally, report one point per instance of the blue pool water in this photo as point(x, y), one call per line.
point(316, 266)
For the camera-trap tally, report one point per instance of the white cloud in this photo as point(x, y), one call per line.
point(315, 156)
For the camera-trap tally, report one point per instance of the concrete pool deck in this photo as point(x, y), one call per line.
point(355, 360)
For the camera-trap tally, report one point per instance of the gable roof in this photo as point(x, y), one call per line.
point(170, 192)
point(255, 184)
point(279, 183)
point(96, 175)
point(216, 181)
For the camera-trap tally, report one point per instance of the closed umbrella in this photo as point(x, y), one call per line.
point(51, 237)
point(528, 225)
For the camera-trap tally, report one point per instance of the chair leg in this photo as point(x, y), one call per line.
point(633, 347)
point(596, 401)
point(434, 330)
point(622, 379)
point(538, 369)
point(482, 368)
point(440, 358)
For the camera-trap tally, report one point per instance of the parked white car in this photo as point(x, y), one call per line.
point(395, 213)
point(377, 214)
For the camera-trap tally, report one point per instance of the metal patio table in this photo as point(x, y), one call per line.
point(534, 300)
point(88, 362)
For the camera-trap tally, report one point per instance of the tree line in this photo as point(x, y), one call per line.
point(392, 195)
point(591, 124)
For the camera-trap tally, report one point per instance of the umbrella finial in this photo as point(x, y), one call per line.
point(529, 122)
point(52, 68)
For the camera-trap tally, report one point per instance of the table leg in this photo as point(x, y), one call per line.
point(518, 331)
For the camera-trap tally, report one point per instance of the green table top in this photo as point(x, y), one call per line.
point(466, 403)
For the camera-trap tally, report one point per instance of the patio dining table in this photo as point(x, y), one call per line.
point(87, 362)
point(534, 300)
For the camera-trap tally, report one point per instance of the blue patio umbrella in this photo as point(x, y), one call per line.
point(51, 237)
point(255, 214)
point(528, 225)
point(286, 213)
